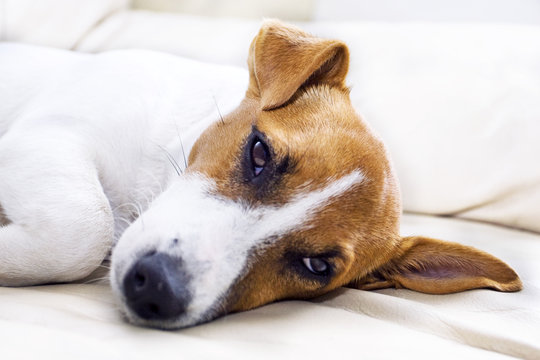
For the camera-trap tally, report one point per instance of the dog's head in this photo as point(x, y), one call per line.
point(290, 196)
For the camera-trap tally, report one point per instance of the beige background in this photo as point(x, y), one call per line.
point(507, 11)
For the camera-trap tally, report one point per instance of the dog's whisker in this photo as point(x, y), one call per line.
point(132, 205)
point(124, 220)
point(147, 196)
point(219, 111)
point(135, 213)
point(154, 179)
point(181, 145)
point(171, 159)
point(140, 217)
point(101, 279)
point(304, 153)
point(126, 205)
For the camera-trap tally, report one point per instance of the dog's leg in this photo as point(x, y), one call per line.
point(60, 224)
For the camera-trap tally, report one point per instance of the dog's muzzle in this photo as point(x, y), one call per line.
point(156, 287)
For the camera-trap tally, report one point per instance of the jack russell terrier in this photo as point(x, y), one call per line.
point(289, 196)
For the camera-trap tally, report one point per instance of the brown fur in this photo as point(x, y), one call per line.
point(298, 99)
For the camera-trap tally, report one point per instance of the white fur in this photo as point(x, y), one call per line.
point(83, 142)
point(216, 235)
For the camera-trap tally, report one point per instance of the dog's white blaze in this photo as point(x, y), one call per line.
point(216, 235)
point(275, 221)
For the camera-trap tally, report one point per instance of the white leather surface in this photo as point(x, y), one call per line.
point(80, 320)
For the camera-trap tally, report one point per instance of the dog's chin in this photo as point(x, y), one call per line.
point(175, 324)
point(184, 321)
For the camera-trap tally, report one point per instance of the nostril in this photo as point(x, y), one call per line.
point(139, 280)
point(153, 309)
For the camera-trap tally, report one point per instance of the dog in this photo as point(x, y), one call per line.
point(288, 196)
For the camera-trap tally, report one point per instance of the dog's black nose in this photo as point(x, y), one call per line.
point(156, 287)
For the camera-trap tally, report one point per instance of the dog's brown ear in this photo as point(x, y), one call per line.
point(282, 58)
point(438, 267)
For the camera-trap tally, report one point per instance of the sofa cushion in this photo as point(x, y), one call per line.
point(58, 23)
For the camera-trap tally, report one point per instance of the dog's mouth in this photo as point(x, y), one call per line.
point(181, 322)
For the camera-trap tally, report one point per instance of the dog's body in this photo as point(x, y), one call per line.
point(289, 196)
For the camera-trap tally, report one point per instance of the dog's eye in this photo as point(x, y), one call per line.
point(259, 156)
point(316, 265)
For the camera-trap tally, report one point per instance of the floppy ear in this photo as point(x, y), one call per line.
point(437, 267)
point(282, 58)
